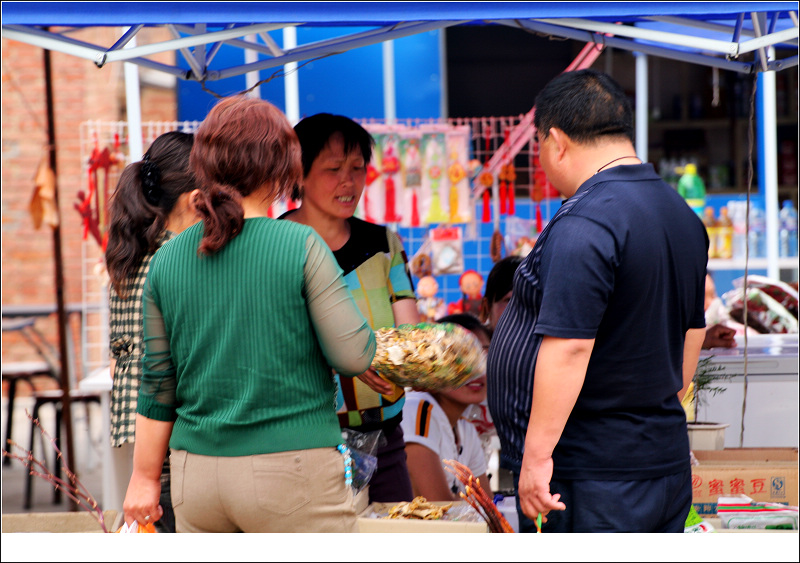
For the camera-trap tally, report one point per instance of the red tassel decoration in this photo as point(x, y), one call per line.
point(538, 217)
point(390, 216)
point(487, 206)
point(414, 209)
point(510, 196)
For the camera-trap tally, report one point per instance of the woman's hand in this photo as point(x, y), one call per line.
point(141, 500)
point(376, 382)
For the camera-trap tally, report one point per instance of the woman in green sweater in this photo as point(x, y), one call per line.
point(243, 318)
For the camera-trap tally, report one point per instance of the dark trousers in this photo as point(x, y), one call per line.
point(644, 506)
point(166, 524)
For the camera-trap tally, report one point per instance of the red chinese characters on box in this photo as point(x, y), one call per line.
point(734, 486)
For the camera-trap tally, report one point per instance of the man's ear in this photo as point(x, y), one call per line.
point(561, 140)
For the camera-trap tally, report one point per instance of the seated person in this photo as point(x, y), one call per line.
point(435, 430)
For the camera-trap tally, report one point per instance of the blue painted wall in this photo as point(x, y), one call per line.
point(350, 83)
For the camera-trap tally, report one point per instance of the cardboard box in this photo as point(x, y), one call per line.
point(763, 474)
point(369, 522)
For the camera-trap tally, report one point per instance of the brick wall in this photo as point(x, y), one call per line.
point(81, 92)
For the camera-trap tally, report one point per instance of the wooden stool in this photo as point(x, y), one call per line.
point(53, 397)
point(14, 372)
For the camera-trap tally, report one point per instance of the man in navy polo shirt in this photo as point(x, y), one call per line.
point(603, 331)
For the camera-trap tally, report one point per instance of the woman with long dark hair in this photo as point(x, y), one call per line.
point(151, 204)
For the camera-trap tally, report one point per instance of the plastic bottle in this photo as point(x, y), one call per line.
point(756, 237)
point(692, 188)
point(737, 210)
point(712, 228)
point(724, 234)
point(788, 230)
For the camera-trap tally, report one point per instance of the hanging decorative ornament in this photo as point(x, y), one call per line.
point(391, 165)
point(43, 206)
point(435, 213)
point(372, 175)
point(509, 175)
point(455, 174)
point(413, 175)
point(502, 177)
point(486, 179)
point(537, 190)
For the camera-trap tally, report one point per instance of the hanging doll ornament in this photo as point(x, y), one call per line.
point(434, 153)
point(412, 166)
point(391, 166)
point(429, 305)
point(471, 283)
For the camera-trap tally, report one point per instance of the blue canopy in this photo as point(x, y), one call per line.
point(729, 35)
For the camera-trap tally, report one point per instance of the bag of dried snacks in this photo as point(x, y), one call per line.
point(428, 356)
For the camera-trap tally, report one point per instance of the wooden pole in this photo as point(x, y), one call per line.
point(64, 376)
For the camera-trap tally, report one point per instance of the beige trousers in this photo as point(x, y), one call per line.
point(295, 491)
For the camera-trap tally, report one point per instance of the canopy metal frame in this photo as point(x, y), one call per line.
point(198, 43)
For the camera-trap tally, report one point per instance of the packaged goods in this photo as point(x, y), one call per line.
point(428, 356)
point(741, 512)
point(764, 314)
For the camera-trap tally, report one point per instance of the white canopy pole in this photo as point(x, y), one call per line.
point(389, 100)
point(768, 162)
point(641, 106)
point(133, 104)
point(291, 84)
point(251, 78)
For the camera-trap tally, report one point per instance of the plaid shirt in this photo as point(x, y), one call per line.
point(125, 335)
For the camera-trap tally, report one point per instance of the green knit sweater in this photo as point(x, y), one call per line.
point(239, 345)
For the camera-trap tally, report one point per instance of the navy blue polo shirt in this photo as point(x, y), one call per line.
point(623, 262)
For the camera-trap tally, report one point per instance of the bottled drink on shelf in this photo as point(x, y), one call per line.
point(788, 230)
point(712, 228)
point(757, 235)
point(738, 215)
point(724, 234)
point(692, 188)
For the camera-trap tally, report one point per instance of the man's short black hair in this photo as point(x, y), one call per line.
point(586, 105)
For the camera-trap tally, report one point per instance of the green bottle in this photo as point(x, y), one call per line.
point(692, 188)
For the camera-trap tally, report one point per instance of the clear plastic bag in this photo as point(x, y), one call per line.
point(363, 448)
